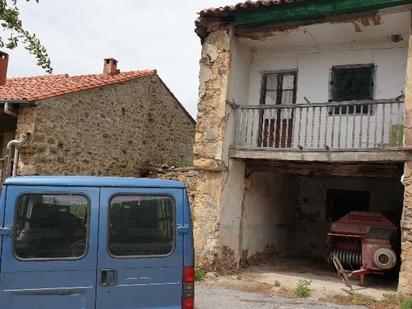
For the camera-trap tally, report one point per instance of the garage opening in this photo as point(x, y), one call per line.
point(289, 210)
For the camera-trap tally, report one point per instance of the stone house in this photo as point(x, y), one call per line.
point(115, 123)
point(304, 115)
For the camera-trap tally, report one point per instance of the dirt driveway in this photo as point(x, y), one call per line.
point(211, 296)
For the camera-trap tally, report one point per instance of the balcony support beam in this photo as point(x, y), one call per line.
point(323, 156)
point(324, 169)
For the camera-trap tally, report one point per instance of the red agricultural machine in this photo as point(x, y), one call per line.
point(361, 243)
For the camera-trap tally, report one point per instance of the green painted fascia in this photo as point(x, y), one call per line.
point(311, 10)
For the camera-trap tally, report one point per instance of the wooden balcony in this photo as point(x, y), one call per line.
point(341, 132)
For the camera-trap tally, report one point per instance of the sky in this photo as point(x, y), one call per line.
point(140, 34)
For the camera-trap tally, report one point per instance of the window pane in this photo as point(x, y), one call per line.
point(270, 98)
point(288, 82)
point(287, 97)
point(272, 82)
point(352, 83)
point(51, 226)
point(141, 226)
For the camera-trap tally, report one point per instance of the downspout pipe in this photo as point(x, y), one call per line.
point(9, 110)
point(14, 145)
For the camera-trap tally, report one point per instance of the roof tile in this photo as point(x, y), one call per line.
point(242, 6)
point(43, 87)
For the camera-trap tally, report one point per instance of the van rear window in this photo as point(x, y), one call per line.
point(51, 226)
point(141, 226)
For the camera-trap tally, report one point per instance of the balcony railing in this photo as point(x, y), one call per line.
point(364, 125)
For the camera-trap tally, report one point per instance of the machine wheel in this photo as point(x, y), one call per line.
point(384, 258)
point(341, 272)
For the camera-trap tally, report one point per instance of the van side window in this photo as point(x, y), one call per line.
point(141, 226)
point(51, 226)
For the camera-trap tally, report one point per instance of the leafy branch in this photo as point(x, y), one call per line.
point(13, 33)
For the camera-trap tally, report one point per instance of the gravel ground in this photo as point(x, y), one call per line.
point(208, 296)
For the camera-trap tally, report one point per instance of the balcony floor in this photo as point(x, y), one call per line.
point(372, 155)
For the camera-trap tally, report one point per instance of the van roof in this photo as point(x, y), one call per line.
point(88, 181)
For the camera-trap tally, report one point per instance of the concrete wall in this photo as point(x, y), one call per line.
point(116, 130)
point(270, 216)
point(386, 195)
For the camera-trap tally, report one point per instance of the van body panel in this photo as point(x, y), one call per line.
point(49, 283)
point(141, 281)
point(2, 205)
point(92, 181)
point(156, 211)
point(188, 242)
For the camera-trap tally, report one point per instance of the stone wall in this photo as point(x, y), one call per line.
point(209, 144)
point(115, 130)
point(171, 128)
point(187, 175)
point(405, 279)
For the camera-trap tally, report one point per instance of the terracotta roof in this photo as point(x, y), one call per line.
point(43, 87)
point(243, 6)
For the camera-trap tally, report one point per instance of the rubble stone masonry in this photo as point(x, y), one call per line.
point(209, 143)
point(115, 130)
point(405, 280)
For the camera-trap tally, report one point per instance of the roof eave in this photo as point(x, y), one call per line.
point(14, 101)
point(312, 10)
point(289, 12)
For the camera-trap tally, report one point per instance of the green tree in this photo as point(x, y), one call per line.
point(13, 33)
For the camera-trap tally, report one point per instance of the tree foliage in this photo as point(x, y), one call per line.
point(13, 33)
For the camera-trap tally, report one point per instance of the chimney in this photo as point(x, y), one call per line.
point(110, 66)
point(4, 61)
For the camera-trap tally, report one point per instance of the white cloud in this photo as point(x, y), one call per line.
point(78, 34)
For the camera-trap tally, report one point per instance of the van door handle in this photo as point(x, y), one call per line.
point(183, 229)
point(108, 277)
point(5, 231)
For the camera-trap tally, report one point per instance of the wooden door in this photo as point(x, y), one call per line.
point(276, 125)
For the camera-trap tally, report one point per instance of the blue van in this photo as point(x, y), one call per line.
point(95, 242)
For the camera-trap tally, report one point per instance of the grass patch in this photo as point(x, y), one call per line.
point(238, 276)
point(391, 298)
point(361, 299)
point(276, 284)
point(405, 302)
point(303, 288)
point(199, 275)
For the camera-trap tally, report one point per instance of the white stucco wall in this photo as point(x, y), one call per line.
point(330, 45)
point(286, 214)
point(312, 51)
point(270, 214)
